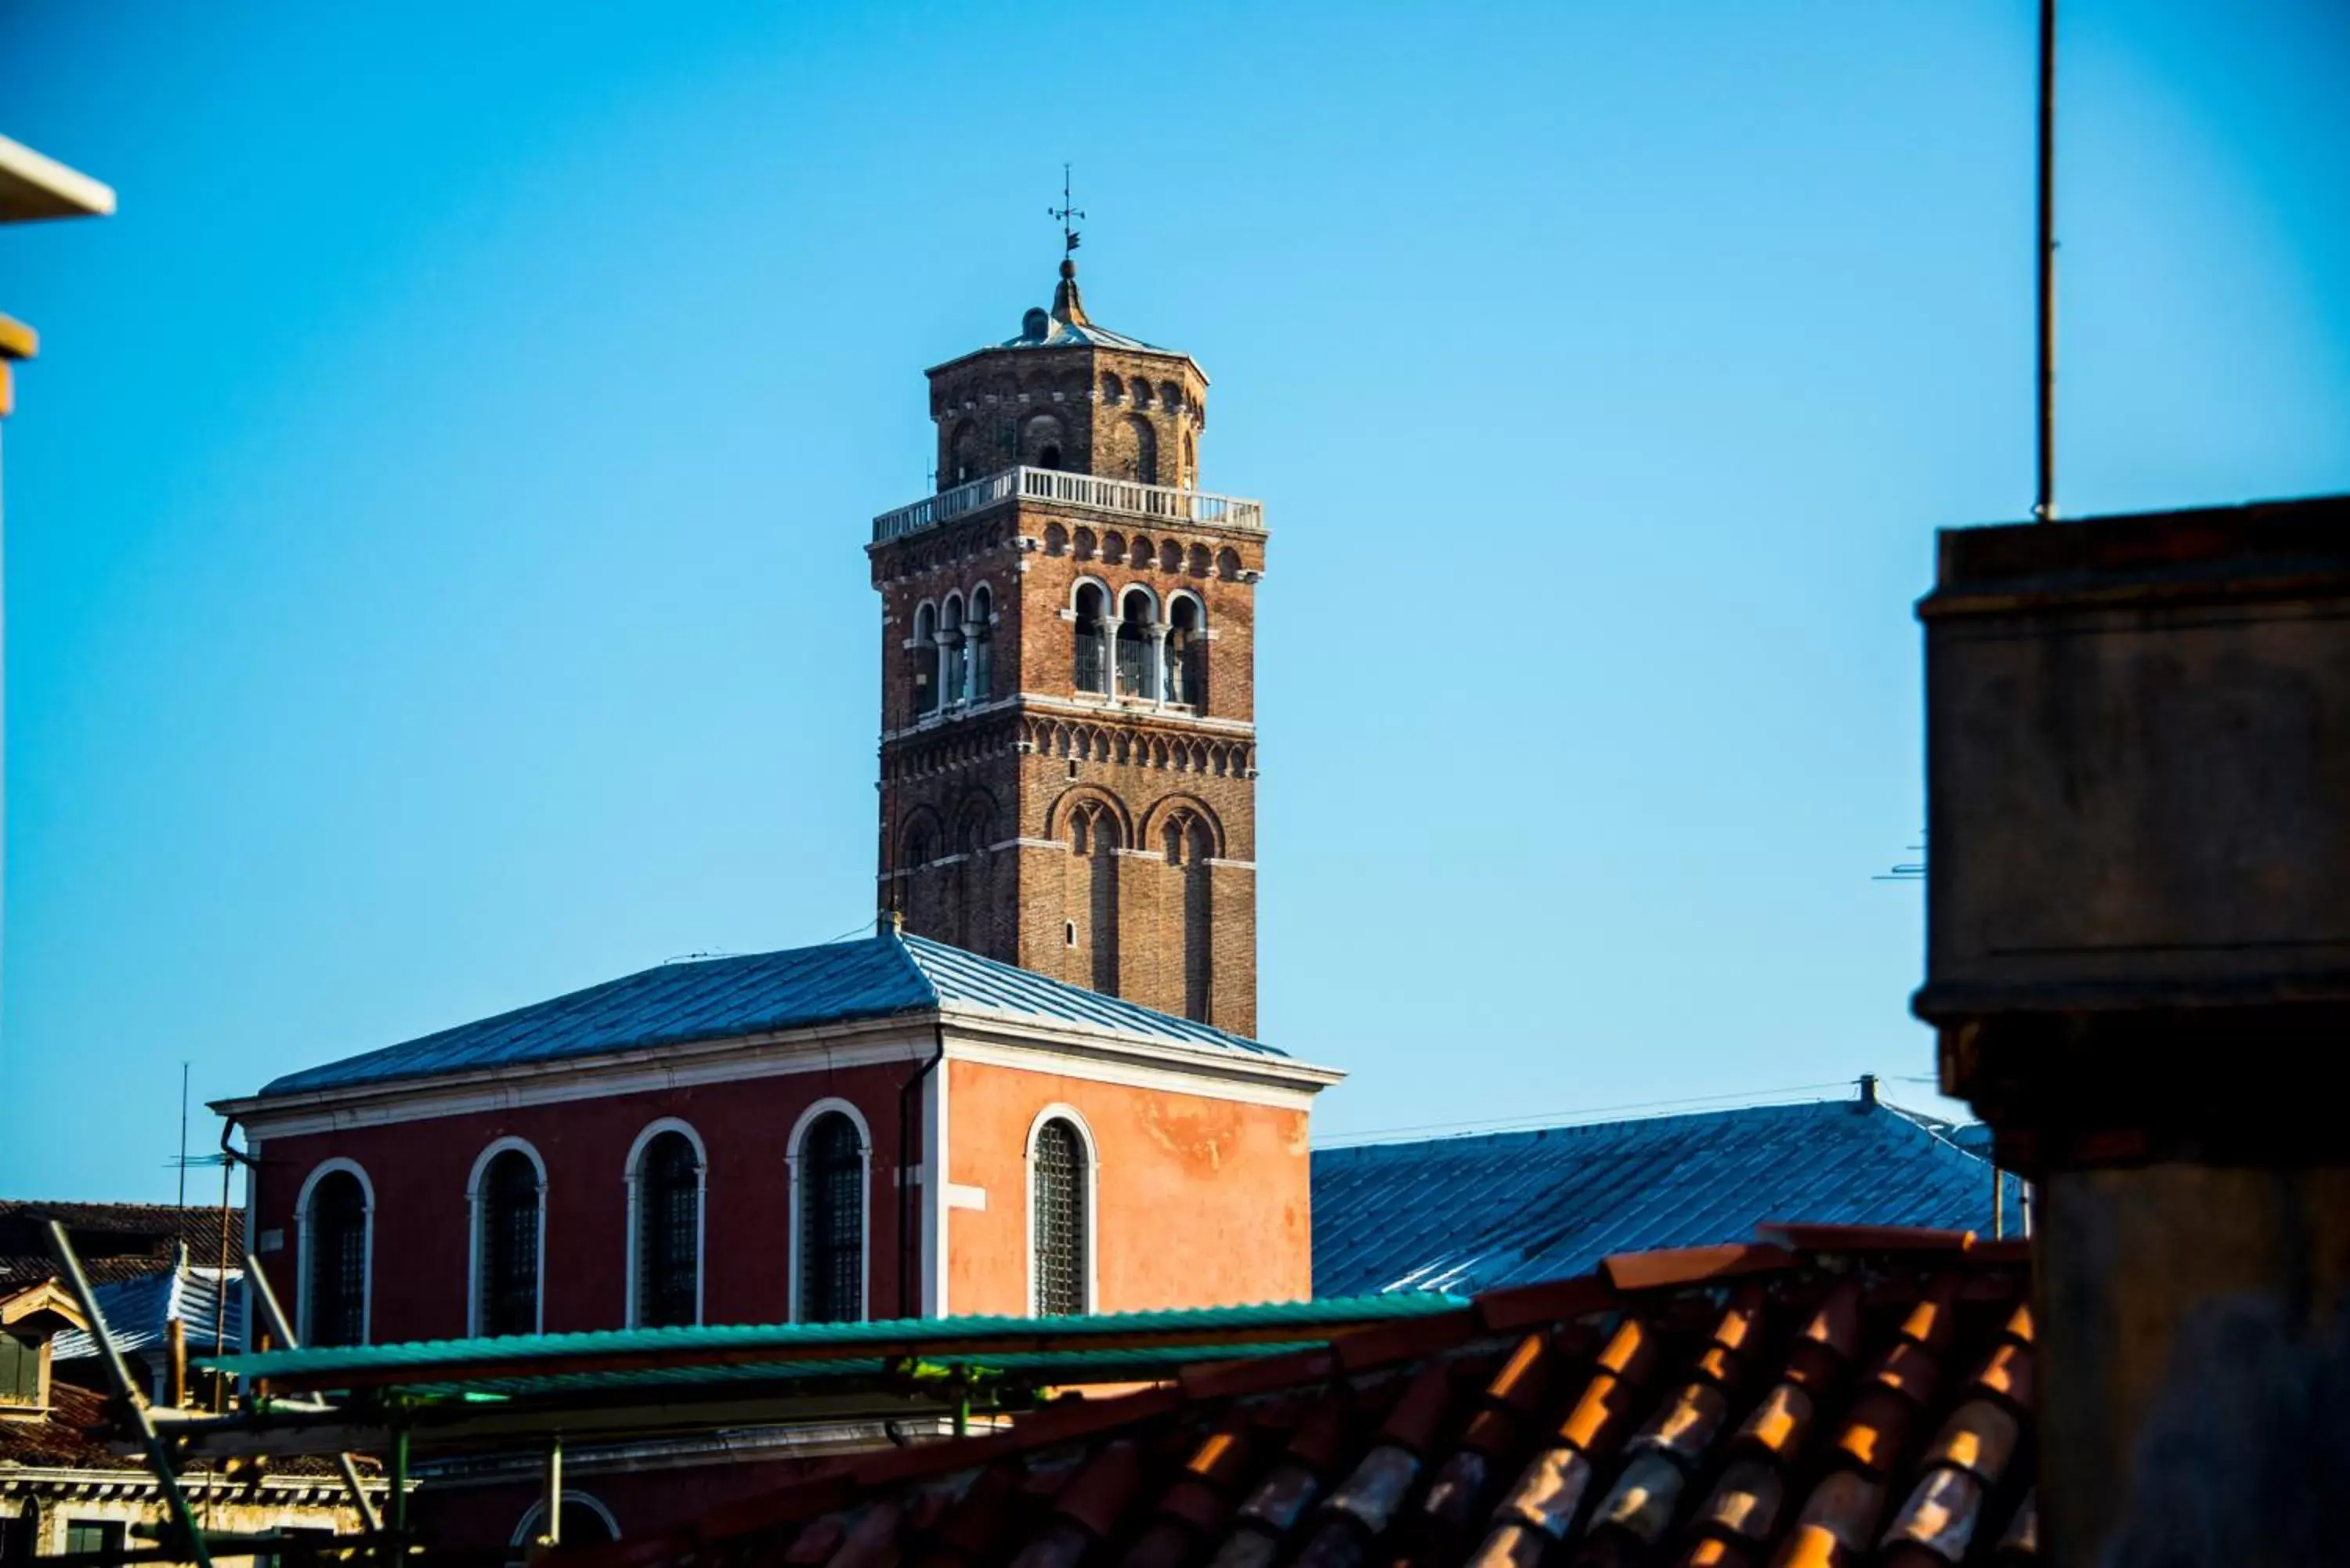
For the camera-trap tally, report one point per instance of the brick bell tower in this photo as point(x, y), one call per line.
point(1068, 737)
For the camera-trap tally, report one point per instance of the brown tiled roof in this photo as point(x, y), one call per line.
point(61, 1438)
point(1824, 1397)
point(116, 1241)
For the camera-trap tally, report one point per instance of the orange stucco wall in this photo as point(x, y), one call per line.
point(1202, 1202)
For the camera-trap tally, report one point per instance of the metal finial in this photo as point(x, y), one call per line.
point(1064, 213)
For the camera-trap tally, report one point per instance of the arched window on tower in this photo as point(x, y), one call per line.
point(1092, 669)
point(667, 1226)
point(954, 661)
point(334, 1232)
point(923, 660)
point(1041, 441)
point(829, 1168)
point(1143, 465)
point(1187, 653)
point(974, 876)
point(1190, 849)
point(509, 1216)
point(1058, 1179)
point(979, 638)
point(1190, 463)
point(1095, 839)
point(1137, 645)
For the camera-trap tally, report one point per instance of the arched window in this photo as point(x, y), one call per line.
point(954, 664)
point(1092, 669)
point(974, 876)
point(1137, 645)
point(924, 659)
point(1113, 389)
point(1190, 848)
point(667, 1228)
point(1095, 839)
point(1190, 462)
point(1143, 463)
point(1058, 1227)
point(584, 1522)
point(510, 1210)
point(1187, 653)
point(334, 1229)
point(980, 642)
point(829, 1169)
point(1041, 438)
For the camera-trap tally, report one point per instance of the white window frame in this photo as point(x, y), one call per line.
point(630, 1184)
point(864, 1209)
point(302, 1248)
point(473, 1235)
point(527, 1528)
point(1061, 1111)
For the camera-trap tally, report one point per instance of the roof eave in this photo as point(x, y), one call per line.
point(338, 1097)
point(1070, 349)
point(1231, 1063)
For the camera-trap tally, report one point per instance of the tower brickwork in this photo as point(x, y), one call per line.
point(1069, 738)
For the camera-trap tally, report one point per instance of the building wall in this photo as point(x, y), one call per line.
point(1198, 1201)
point(420, 1169)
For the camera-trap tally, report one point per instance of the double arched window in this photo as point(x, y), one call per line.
point(1060, 1215)
point(924, 664)
point(952, 660)
point(1092, 669)
point(508, 1196)
point(1186, 651)
point(665, 1183)
point(831, 1161)
point(333, 1217)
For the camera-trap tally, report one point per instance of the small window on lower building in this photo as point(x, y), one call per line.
point(101, 1539)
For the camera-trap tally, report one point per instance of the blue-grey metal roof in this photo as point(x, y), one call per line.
point(1467, 1214)
point(758, 994)
point(136, 1310)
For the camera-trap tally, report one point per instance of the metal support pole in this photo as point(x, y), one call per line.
point(275, 1315)
point(2043, 510)
point(134, 1404)
point(553, 1533)
point(399, 1499)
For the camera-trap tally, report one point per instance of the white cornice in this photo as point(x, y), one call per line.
point(978, 1035)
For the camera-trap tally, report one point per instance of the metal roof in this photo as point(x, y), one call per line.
point(137, 1310)
point(1467, 1214)
point(798, 1346)
point(720, 998)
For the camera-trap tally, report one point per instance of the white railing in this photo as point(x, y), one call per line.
point(1122, 496)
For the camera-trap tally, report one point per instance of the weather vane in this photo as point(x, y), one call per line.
point(1065, 212)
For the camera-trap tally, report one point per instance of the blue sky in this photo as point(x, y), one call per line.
point(434, 559)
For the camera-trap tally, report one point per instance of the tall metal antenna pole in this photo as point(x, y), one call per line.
point(2043, 509)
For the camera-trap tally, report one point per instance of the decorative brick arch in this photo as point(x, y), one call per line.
point(921, 819)
point(1057, 821)
point(1154, 822)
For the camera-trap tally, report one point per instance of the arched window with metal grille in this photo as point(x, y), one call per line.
point(1059, 1235)
point(510, 1216)
point(335, 1260)
point(830, 1170)
point(667, 1226)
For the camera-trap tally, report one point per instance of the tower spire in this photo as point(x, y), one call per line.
point(1066, 304)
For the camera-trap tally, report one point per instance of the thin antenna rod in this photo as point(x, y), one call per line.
point(2043, 510)
point(1065, 213)
point(183, 1148)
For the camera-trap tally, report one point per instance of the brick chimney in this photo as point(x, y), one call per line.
point(2138, 971)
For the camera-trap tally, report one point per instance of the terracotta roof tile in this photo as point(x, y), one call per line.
point(1809, 1406)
